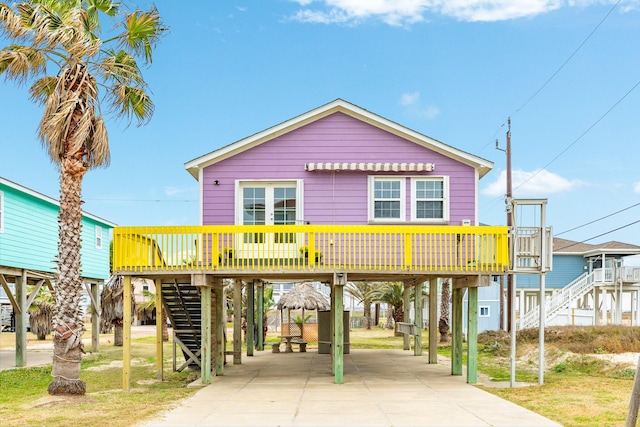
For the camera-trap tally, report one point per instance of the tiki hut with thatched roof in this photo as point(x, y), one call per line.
point(302, 297)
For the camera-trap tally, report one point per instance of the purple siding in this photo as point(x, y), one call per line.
point(332, 197)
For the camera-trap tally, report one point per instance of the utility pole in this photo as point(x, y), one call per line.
point(507, 151)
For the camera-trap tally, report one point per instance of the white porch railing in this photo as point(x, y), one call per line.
point(560, 300)
point(631, 274)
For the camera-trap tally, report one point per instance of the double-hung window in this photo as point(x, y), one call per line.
point(430, 199)
point(386, 199)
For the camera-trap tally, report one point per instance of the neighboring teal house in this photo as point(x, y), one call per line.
point(29, 234)
point(29, 245)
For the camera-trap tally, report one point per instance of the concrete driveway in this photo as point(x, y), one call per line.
point(382, 388)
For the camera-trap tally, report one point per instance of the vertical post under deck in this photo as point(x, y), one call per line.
point(260, 319)
point(220, 322)
point(332, 327)
point(543, 315)
point(417, 339)
point(406, 315)
point(250, 308)
point(21, 320)
point(338, 339)
point(433, 320)
point(237, 322)
point(456, 331)
point(160, 321)
point(472, 339)
point(126, 334)
point(95, 318)
point(205, 321)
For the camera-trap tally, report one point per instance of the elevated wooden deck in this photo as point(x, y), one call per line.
point(304, 251)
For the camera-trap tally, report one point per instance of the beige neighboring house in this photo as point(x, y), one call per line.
point(141, 285)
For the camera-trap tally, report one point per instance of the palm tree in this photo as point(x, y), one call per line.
point(362, 292)
point(41, 313)
point(391, 293)
point(112, 307)
point(86, 73)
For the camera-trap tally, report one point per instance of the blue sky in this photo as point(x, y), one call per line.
point(566, 72)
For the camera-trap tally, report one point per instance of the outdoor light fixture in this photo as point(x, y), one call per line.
point(216, 182)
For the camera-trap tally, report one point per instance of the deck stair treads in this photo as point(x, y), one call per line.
point(182, 301)
point(559, 301)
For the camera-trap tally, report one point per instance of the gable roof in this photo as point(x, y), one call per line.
point(50, 200)
point(483, 166)
point(569, 247)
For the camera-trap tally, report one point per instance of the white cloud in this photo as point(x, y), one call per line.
point(539, 183)
point(409, 98)
point(405, 12)
point(412, 102)
point(636, 187)
point(494, 10)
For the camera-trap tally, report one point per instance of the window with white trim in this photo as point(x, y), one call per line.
point(430, 199)
point(98, 237)
point(484, 311)
point(1, 212)
point(386, 199)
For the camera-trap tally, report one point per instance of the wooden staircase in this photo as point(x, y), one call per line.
point(182, 302)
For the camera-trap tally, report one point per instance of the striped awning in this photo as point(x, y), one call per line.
point(371, 167)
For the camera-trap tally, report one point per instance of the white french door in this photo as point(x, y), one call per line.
point(268, 203)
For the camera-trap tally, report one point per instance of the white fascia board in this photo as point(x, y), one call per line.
point(339, 105)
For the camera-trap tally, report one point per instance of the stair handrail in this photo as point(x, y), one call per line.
point(559, 300)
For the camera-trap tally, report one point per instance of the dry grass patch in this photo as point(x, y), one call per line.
point(588, 372)
point(575, 401)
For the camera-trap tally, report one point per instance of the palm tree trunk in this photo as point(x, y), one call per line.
point(68, 325)
point(367, 314)
point(165, 327)
point(443, 324)
point(118, 334)
point(398, 316)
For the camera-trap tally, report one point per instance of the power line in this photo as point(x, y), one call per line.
point(141, 200)
point(599, 219)
point(555, 73)
point(568, 59)
point(581, 135)
point(599, 235)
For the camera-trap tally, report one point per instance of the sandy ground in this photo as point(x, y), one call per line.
point(620, 358)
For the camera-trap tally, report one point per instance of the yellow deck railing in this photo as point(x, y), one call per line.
point(452, 249)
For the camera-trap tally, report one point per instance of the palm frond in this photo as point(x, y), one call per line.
point(43, 88)
point(132, 102)
point(143, 29)
point(120, 66)
point(94, 8)
point(98, 144)
point(20, 63)
point(12, 23)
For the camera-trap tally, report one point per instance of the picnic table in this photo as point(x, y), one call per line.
point(290, 340)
